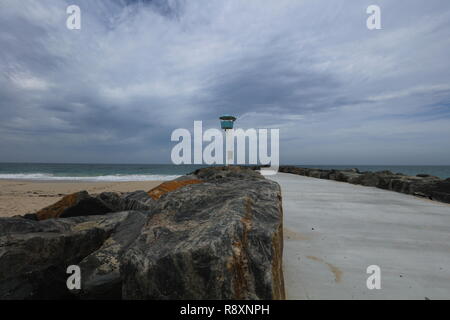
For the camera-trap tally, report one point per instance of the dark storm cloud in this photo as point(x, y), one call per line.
point(114, 90)
point(251, 87)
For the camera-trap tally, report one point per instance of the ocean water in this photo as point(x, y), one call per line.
point(149, 172)
point(93, 172)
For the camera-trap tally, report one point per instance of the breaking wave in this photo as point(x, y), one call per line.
point(50, 177)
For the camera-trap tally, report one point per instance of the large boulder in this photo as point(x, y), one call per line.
point(73, 205)
point(34, 255)
point(369, 179)
point(435, 189)
point(220, 239)
point(101, 269)
point(83, 204)
point(170, 186)
point(137, 200)
point(379, 179)
point(351, 175)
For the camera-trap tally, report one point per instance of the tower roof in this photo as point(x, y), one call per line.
point(227, 117)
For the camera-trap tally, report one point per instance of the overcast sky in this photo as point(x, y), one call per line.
point(114, 91)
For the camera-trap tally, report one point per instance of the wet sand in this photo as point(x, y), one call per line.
point(18, 197)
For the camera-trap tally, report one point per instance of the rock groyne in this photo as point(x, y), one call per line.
point(213, 234)
point(422, 185)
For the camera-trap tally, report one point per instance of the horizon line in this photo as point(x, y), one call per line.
point(193, 164)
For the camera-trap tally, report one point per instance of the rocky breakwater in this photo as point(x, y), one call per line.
point(422, 185)
point(213, 234)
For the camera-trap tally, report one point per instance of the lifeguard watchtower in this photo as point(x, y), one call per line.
point(226, 123)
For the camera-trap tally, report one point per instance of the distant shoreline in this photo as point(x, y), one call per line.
point(90, 180)
point(152, 172)
point(421, 185)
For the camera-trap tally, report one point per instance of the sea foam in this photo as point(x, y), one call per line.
point(50, 177)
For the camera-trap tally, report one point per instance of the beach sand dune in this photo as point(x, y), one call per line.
point(18, 197)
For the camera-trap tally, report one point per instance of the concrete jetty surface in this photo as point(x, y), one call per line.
point(333, 231)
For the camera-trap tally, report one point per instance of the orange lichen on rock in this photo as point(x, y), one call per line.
point(75, 205)
point(56, 209)
point(169, 186)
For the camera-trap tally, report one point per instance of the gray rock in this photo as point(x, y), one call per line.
point(221, 239)
point(138, 200)
point(83, 204)
point(30, 216)
point(436, 190)
point(34, 255)
point(368, 179)
point(346, 176)
point(74, 205)
point(112, 200)
point(423, 185)
point(226, 174)
point(101, 269)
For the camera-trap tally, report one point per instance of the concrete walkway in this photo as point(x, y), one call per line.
point(334, 231)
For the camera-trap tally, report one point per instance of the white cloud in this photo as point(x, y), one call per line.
point(28, 82)
point(134, 73)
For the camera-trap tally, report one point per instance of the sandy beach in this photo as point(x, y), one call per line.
point(18, 197)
